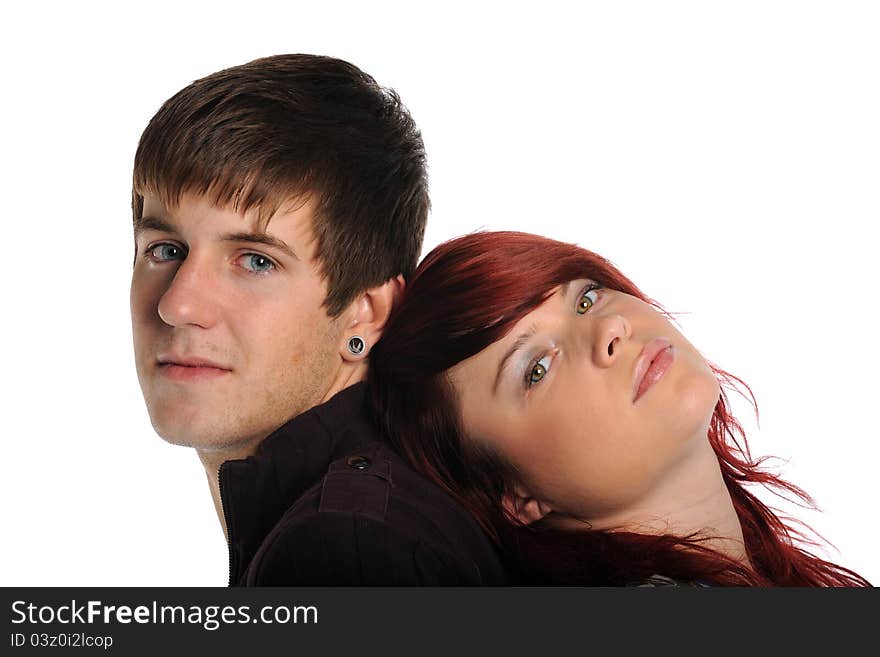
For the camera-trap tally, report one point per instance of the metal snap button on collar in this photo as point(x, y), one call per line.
point(358, 462)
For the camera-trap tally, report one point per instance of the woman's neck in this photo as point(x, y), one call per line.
point(691, 499)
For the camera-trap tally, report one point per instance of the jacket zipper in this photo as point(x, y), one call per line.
point(226, 520)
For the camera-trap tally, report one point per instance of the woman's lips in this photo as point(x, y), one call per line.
point(655, 359)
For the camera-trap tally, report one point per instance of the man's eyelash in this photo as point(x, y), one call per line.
point(269, 260)
point(148, 253)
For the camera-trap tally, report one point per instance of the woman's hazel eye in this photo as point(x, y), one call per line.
point(539, 370)
point(588, 298)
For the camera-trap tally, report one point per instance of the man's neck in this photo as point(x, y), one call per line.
point(212, 460)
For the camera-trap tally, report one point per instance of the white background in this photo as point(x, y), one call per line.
point(725, 155)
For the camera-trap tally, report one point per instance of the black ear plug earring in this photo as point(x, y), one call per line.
point(356, 345)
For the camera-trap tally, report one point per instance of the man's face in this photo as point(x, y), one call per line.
point(230, 336)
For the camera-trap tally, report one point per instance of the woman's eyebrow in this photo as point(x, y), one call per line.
point(518, 344)
point(569, 288)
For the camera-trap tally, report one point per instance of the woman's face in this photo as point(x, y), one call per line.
point(559, 397)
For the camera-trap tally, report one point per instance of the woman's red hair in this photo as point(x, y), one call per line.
point(467, 294)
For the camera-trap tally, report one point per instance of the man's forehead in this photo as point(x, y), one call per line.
point(294, 214)
point(256, 214)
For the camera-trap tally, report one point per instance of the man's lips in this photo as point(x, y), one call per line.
point(189, 368)
point(189, 361)
point(650, 353)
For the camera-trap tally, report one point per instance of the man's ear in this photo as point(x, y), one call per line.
point(368, 314)
point(519, 504)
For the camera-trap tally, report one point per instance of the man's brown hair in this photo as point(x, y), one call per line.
point(293, 128)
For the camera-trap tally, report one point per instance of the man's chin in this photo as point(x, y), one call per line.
point(184, 425)
point(187, 433)
point(178, 441)
point(205, 440)
point(184, 439)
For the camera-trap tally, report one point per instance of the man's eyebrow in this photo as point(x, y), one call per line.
point(153, 223)
point(260, 238)
point(162, 226)
point(518, 344)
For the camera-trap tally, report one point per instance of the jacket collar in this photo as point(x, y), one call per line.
point(255, 492)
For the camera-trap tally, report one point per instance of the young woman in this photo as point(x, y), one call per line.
point(536, 384)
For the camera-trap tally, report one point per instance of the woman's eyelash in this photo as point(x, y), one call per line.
point(584, 302)
point(536, 368)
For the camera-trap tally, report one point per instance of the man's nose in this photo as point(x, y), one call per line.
point(611, 333)
point(191, 297)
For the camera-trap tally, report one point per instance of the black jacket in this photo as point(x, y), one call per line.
point(325, 501)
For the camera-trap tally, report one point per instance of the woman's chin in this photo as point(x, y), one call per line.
point(692, 404)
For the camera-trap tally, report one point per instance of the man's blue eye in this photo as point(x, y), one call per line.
point(257, 263)
point(166, 252)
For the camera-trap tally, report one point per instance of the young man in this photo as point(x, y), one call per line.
point(278, 207)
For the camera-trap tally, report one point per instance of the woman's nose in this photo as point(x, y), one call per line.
point(612, 332)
